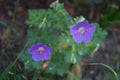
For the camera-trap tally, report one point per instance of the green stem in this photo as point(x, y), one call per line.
point(7, 26)
point(13, 19)
point(12, 64)
point(108, 67)
point(14, 14)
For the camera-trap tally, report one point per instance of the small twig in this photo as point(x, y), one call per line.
point(42, 24)
point(97, 47)
point(57, 1)
point(92, 11)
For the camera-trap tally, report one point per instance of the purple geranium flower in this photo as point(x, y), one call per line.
point(40, 52)
point(82, 31)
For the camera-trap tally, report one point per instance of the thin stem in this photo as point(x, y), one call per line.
point(7, 26)
point(14, 14)
point(13, 19)
point(108, 67)
point(12, 64)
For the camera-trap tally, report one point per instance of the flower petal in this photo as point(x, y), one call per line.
point(37, 57)
point(47, 48)
point(73, 29)
point(34, 47)
point(46, 55)
point(38, 54)
point(91, 28)
point(41, 56)
point(83, 23)
point(87, 37)
point(77, 38)
point(87, 33)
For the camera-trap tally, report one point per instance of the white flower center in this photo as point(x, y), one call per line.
point(40, 49)
point(81, 30)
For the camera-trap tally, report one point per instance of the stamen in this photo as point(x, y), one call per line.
point(81, 30)
point(40, 49)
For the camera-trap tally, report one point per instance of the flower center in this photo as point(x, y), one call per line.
point(40, 49)
point(81, 30)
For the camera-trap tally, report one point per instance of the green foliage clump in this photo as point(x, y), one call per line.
point(52, 18)
point(111, 15)
point(52, 27)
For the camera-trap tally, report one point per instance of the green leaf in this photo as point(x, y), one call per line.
point(57, 65)
point(104, 21)
point(29, 63)
point(99, 35)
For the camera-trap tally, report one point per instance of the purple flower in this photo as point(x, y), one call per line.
point(82, 31)
point(40, 52)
